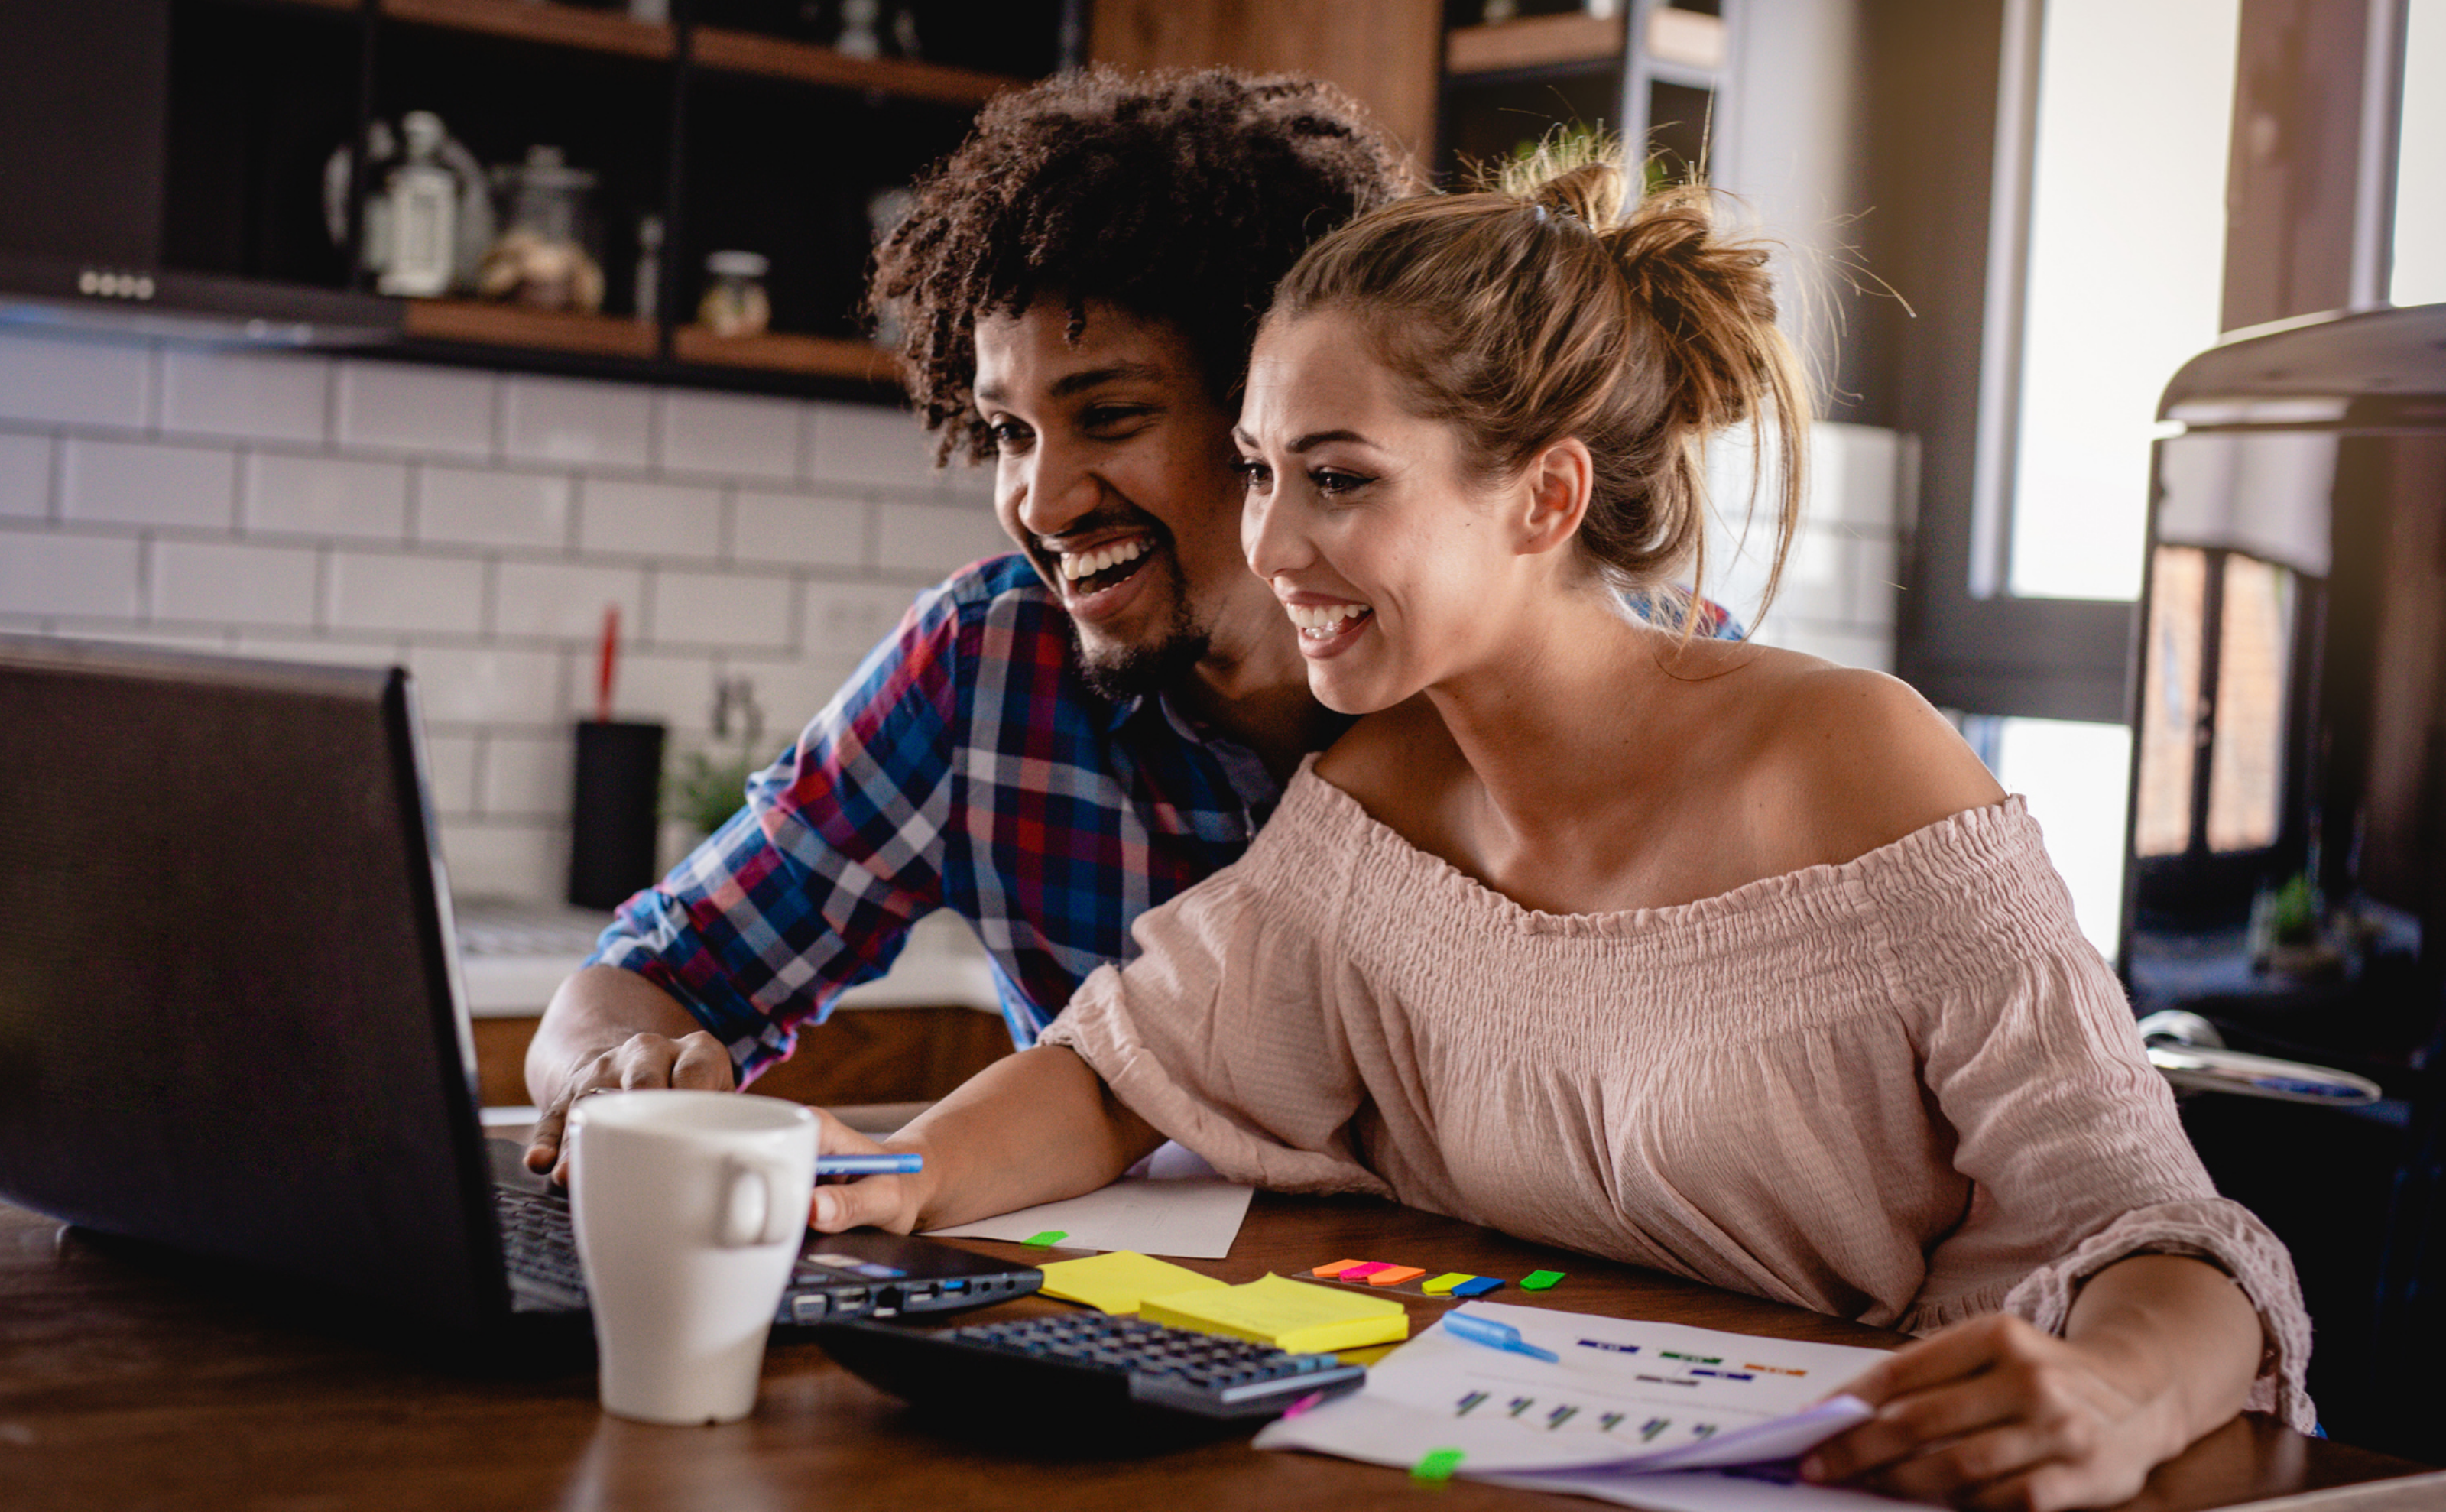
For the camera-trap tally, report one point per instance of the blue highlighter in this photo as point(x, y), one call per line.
point(1493, 1334)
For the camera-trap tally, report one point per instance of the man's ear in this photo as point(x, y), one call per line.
point(1555, 486)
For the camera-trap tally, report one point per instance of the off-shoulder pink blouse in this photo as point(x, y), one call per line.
point(1904, 1089)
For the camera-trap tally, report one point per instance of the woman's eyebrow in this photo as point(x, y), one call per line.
point(1308, 443)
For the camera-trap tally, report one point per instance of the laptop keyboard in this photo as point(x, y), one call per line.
point(539, 1245)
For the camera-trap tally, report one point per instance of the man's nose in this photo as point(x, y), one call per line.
point(1056, 488)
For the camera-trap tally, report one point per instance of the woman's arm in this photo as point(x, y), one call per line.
point(2158, 1349)
point(1032, 1127)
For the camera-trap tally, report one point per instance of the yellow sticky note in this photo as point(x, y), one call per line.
point(1114, 1282)
point(1442, 1285)
point(1292, 1316)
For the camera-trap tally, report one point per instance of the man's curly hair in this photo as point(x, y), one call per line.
point(1179, 196)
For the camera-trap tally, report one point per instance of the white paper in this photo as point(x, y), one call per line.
point(1171, 1203)
point(1703, 1492)
point(1622, 1394)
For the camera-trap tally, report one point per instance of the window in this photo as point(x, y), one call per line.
point(2419, 276)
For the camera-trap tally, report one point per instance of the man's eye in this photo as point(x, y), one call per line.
point(1106, 417)
point(1333, 481)
point(1008, 434)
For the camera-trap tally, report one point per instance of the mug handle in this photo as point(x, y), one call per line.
point(752, 1209)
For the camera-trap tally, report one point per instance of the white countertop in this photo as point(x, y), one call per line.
point(515, 956)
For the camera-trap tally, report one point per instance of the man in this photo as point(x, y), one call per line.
point(1056, 741)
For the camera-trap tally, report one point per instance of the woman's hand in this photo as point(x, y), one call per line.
point(1993, 1413)
point(880, 1202)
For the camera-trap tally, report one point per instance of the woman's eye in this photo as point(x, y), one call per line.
point(1254, 474)
point(1333, 481)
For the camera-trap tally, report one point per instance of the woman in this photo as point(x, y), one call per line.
point(1709, 957)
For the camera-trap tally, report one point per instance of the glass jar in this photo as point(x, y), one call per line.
point(544, 256)
point(735, 303)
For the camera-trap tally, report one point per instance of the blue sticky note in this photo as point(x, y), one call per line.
point(1477, 1286)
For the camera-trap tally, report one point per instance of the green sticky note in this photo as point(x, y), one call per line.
point(1437, 1466)
point(1057, 1235)
point(1539, 1281)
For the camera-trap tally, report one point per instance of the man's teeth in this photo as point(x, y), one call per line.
point(1323, 621)
point(1088, 564)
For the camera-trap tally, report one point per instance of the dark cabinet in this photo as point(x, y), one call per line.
point(164, 163)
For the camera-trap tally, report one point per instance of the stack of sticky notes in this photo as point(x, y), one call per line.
point(1288, 1314)
point(1452, 1283)
point(1117, 1281)
point(1374, 1273)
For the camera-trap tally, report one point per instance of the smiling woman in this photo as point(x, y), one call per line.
point(1583, 906)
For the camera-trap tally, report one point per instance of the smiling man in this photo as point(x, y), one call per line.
point(1056, 741)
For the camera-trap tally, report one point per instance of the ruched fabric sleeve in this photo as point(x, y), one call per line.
point(1223, 1032)
point(2068, 1134)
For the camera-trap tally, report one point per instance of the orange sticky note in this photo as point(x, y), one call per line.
point(1336, 1268)
point(1395, 1274)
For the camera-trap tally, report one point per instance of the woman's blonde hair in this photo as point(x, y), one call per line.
point(1547, 307)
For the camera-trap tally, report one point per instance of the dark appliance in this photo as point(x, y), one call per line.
point(2285, 859)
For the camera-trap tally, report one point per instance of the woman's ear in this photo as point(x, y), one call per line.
point(1555, 488)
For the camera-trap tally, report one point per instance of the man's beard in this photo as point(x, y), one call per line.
point(1119, 673)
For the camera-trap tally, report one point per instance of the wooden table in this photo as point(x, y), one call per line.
point(123, 1385)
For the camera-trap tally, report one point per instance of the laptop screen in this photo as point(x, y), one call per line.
point(226, 1021)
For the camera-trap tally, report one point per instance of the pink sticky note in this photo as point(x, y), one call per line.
point(1337, 1267)
point(1362, 1272)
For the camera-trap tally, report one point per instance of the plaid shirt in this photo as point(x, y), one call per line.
point(965, 766)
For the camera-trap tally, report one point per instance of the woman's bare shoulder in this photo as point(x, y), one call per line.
point(1850, 760)
point(1394, 761)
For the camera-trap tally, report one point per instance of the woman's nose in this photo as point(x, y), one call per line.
point(1268, 537)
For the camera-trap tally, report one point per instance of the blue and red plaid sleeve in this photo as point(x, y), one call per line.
point(811, 887)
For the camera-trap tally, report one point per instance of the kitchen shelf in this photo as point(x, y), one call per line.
point(1534, 42)
point(784, 352)
point(540, 21)
point(779, 58)
point(490, 325)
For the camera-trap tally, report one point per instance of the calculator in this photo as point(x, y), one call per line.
point(1086, 1370)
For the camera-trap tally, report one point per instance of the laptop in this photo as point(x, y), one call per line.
point(231, 1020)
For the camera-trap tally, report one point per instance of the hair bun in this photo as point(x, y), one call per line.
point(1710, 297)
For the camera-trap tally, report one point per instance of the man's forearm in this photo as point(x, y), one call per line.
point(598, 1010)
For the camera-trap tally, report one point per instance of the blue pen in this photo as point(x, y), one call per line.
point(869, 1165)
point(1493, 1334)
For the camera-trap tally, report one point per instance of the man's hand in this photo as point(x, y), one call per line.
point(695, 1060)
point(882, 1201)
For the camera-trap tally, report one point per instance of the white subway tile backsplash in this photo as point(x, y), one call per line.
point(863, 444)
point(59, 382)
point(617, 516)
point(723, 609)
point(506, 859)
point(1876, 581)
point(249, 395)
point(561, 420)
point(565, 599)
point(937, 540)
point(450, 773)
point(526, 777)
point(730, 435)
point(487, 685)
point(846, 620)
point(47, 573)
point(674, 688)
point(135, 482)
point(368, 650)
point(393, 406)
point(436, 595)
point(25, 476)
point(789, 692)
point(1873, 650)
point(1855, 472)
point(778, 529)
point(232, 584)
point(471, 506)
point(340, 496)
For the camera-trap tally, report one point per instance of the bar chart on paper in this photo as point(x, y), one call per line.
point(1620, 1396)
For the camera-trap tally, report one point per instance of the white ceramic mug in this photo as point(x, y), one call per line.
point(689, 1208)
